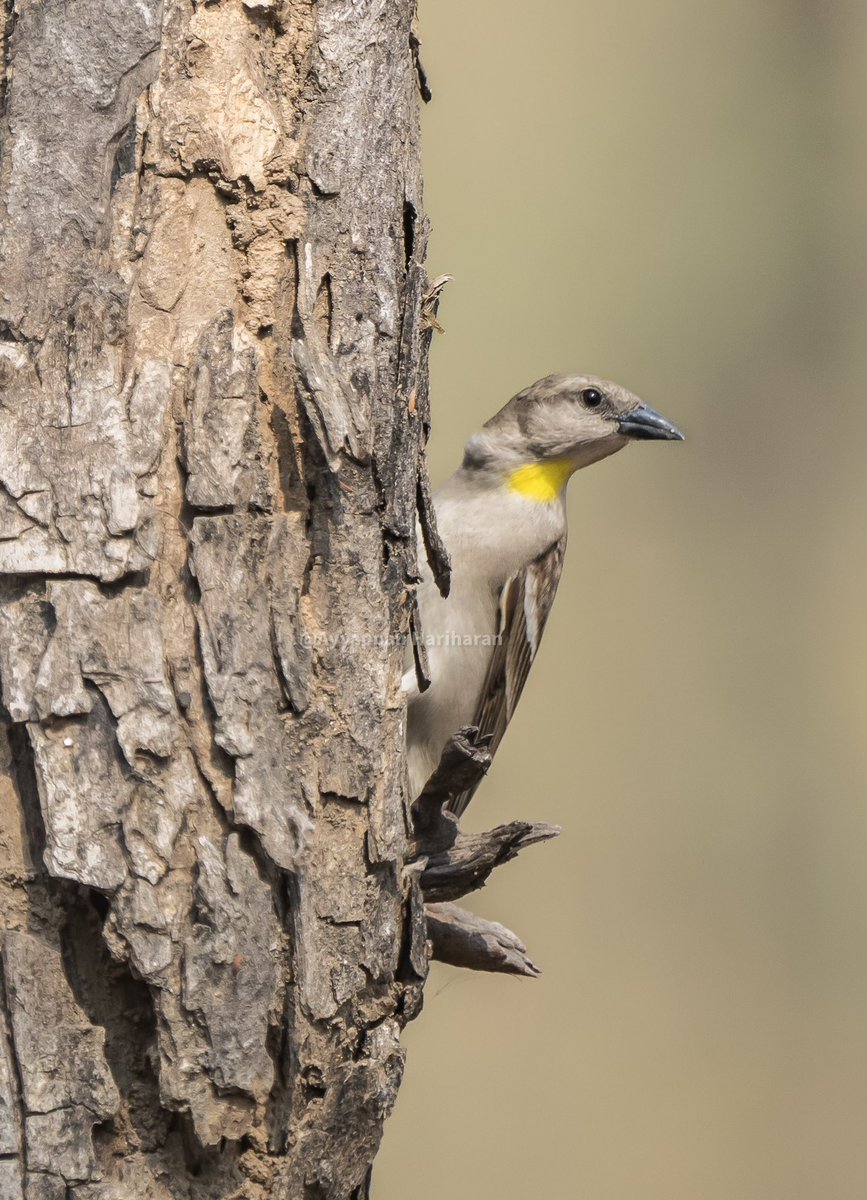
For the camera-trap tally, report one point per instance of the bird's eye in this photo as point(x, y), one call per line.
point(591, 397)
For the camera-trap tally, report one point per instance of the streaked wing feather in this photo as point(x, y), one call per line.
point(525, 603)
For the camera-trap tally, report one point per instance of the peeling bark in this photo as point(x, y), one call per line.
point(214, 330)
point(213, 403)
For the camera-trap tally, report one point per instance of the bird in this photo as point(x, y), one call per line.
point(502, 518)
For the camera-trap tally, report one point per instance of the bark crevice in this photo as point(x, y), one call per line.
point(216, 326)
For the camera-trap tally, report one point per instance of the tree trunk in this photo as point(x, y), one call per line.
point(213, 401)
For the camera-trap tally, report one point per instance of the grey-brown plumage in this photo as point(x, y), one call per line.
point(502, 517)
point(525, 603)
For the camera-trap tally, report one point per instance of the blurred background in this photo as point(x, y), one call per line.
point(672, 194)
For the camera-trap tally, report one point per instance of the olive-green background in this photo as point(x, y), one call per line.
point(670, 193)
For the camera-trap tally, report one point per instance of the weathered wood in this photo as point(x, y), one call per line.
point(466, 940)
point(465, 866)
point(454, 863)
point(213, 362)
point(464, 761)
point(214, 331)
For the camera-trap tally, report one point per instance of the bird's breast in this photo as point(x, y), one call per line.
point(490, 536)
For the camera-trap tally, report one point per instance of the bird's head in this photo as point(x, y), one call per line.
point(568, 420)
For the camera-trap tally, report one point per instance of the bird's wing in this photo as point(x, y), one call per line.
point(525, 603)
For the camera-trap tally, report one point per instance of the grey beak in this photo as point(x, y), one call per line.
point(645, 422)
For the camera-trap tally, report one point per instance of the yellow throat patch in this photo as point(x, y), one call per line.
point(542, 482)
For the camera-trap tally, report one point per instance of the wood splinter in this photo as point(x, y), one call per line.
point(466, 866)
point(463, 939)
point(453, 864)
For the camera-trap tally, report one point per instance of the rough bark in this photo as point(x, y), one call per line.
point(214, 325)
point(212, 359)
